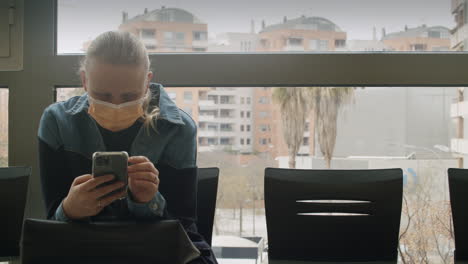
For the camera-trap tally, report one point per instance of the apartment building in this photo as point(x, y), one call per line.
point(168, 30)
point(459, 108)
point(422, 38)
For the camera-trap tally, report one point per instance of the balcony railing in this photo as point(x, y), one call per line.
point(294, 48)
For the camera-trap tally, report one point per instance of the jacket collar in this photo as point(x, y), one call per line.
point(167, 108)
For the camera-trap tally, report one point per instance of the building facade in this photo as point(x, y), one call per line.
point(168, 30)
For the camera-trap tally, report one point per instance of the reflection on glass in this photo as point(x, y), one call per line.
point(416, 129)
point(3, 127)
point(270, 26)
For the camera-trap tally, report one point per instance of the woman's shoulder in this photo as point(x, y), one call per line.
point(58, 109)
point(57, 117)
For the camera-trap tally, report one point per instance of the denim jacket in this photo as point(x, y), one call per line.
point(67, 126)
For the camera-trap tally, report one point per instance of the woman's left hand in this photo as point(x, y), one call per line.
point(143, 179)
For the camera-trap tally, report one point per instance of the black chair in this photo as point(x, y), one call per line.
point(333, 215)
point(206, 201)
point(45, 241)
point(13, 195)
point(458, 185)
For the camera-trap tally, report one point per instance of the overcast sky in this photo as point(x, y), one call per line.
point(81, 20)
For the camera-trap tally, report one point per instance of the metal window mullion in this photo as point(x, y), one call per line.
point(335, 69)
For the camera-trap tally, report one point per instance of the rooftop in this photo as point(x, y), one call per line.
point(167, 15)
point(303, 22)
point(421, 31)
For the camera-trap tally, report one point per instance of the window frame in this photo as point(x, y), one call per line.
point(44, 70)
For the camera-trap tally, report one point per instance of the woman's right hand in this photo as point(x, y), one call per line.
point(84, 199)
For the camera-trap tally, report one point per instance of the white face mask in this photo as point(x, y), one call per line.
point(115, 117)
point(92, 100)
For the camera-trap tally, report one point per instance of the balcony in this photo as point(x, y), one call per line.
point(459, 36)
point(294, 48)
point(207, 105)
point(206, 118)
point(459, 145)
point(227, 133)
point(200, 44)
point(225, 119)
point(208, 133)
point(459, 109)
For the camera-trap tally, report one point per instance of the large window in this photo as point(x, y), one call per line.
point(267, 26)
point(416, 129)
point(411, 129)
point(3, 127)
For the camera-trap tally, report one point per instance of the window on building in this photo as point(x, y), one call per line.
point(248, 141)
point(307, 127)
point(305, 141)
point(212, 141)
point(263, 114)
point(242, 141)
point(200, 35)
point(418, 47)
point(264, 100)
point(188, 96)
point(340, 43)
point(248, 100)
point(226, 127)
point(434, 34)
point(263, 128)
point(199, 49)
point(225, 99)
point(295, 41)
point(242, 100)
point(225, 113)
point(263, 141)
point(242, 128)
point(212, 127)
point(248, 114)
point(174, 36)
point(242, 114)
point(147, 33)
point(265, 43)
point(248, 128)
point(225, 141)
point(318, 45)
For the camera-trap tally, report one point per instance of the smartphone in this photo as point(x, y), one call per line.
point(114, 163)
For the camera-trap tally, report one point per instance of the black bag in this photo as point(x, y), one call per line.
point(45, 241)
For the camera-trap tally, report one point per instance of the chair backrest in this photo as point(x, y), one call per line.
point(333, 215)
point(206, 201)
point(458, 185)
point(13, 195)
point(45, 241)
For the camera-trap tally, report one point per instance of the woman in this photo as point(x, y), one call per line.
point(120, 111)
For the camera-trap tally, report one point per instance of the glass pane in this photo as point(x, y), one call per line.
point(3, 127)
point(417, 129)
point(63, 94)
point(269, 26)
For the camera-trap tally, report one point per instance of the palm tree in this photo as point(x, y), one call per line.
point(325, 103)
point(294, 108)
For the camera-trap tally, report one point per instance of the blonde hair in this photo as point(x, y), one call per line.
point(122, 48)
